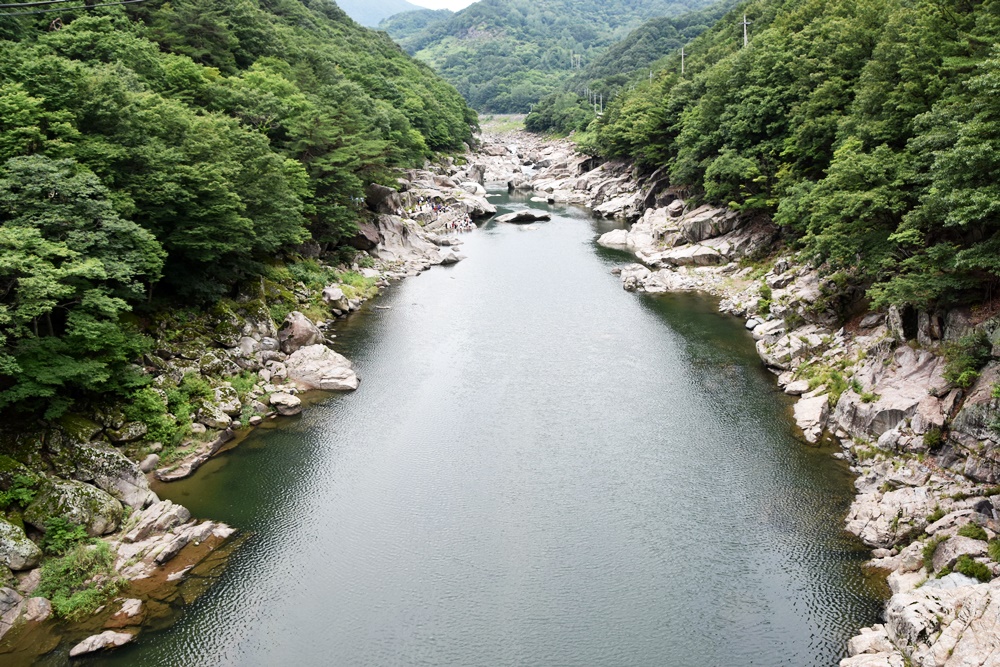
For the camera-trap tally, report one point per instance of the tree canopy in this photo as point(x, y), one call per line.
point(170, 150)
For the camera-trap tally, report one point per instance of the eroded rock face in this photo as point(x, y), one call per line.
point(16, 551)
point(810, 416)
point(97, 511)
point(902, 391)
point(298, 331)
point(319, 367)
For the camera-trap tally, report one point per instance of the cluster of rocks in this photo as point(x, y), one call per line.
point(926, 452)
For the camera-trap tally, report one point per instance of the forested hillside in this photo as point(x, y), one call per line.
point(405, 25)
point(869, 130)
point(503, 55)
point(371, 12)
point(165, 152)
point(572, 107)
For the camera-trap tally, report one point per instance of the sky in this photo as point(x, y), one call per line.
point(453, 5)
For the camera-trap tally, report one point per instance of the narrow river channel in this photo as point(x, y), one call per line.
point(538, 469)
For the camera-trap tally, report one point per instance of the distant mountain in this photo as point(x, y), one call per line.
point(401, 27)
point(371, 12)
point(503, 55)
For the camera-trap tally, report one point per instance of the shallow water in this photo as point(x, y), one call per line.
point(538, 469)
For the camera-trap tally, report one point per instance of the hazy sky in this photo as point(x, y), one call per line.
point(453, 5)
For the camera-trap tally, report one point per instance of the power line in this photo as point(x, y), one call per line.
point(71, 9)
point(18, 5)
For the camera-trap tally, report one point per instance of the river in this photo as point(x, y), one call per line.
point(538, 469)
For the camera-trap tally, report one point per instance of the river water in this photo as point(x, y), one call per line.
point(538, 469)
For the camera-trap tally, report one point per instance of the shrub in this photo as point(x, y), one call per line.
point(21, 492)
point(80, 581)
point(973, 568)
point(243, 383)
point(936, 515)
point(973, 531)
point(965, 358)
point(148, 407)
point(994, 550)
point(929, 549)
point(60, 535)
point(933, 438)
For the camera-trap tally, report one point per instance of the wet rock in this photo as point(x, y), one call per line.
point(286, 404)
point(105, 640)
point(319, 367)
point(616, 238)
point(298, 331)
point(524, 217)
point(17, 552)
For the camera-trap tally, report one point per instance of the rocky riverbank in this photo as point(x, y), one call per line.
point(912, 398)
point(76, 494)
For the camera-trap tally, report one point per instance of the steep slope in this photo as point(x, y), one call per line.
point(503, 55)
point(191, 143)
point(403, 27)
point(870, 131)
point(371, 12)
point(573, 107)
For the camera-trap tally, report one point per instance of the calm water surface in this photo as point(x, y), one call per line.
point(538, 469)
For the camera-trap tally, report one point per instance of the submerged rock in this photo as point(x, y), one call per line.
point(524, 217)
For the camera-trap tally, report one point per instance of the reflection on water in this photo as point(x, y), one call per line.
point(538, 469)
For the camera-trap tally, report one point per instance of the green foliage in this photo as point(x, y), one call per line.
point(936, 515)
point(149, 407)
point(504, 55)
point(61, 535)
point(80, 581)
point(869, 130)
point(930, 549)
point(972, 568)
point(966, 357)
point(933, 438)
point(973, 531)
point(994, 550)
point(243, 383)
point(21, 492)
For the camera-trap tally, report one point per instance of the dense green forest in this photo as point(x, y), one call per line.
point(504, 55)
point(407, 24)
point(869, 130)
point(572, 107)
point(371, 12)
point(165, 152)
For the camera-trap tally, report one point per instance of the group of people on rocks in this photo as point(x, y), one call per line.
point(438, 209)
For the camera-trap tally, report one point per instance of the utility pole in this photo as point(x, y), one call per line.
point(745, 24)
point(682, 61)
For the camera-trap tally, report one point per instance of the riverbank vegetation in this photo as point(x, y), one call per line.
point(164, 153)
point(869, 131)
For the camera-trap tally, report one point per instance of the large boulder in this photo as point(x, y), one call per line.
point(107, 639)
point(286, 404)
point(524, 217)
point(319, 367)
point(366, 238)
point(298, 331)
point(708, 222)
point(477, 173)
point(113, 472)
point(810, 416)
point(78, 503)
point(616, 238)
point(16, 551)
point(382, 199)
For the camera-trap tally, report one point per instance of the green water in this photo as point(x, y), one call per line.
point(538, 469)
